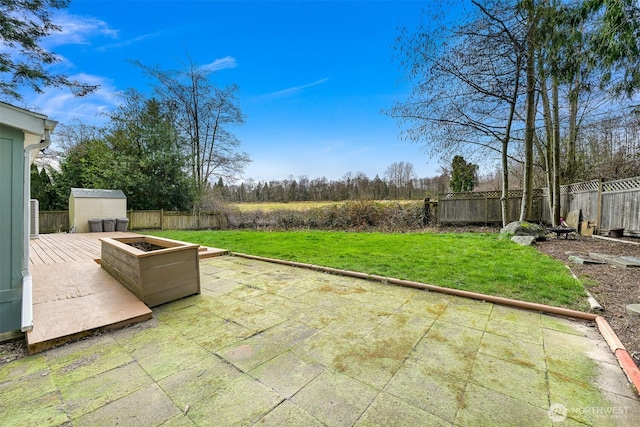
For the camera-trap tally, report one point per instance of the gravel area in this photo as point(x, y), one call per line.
point(613, 287)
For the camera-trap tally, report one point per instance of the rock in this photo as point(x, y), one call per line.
point(524, 240)
point(633, 309)
point(523, 228)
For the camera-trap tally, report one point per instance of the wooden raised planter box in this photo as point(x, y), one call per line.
point(167, 272)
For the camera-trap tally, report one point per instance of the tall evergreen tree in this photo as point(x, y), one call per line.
point(23, 60)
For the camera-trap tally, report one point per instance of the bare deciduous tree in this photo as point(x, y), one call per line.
point(205, 114)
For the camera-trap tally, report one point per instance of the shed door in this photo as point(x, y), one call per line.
point(11, 227)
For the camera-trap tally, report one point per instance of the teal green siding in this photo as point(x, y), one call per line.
point(11, 227)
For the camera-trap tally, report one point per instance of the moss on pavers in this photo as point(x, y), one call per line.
point(236, 308)
point(428, 389)
point(96, 391)
point(213, 285)
point(377, 298)
point(560, 324)
point(44, 410)
point(335, 399)
point(353, 328)
point(246, 292)
point(426, 304)
point(323, 348)
point(522, 331)
point(241, 402)
point(288, 414)
point(268, 299)
point(387, 410)
point(445, 358)
point(257, 349)
point(512, 349)
point(145, 338)
point(226, 335)
point(146, 407)
point(198, 381)
point(481, 406)
point(260, 320)
point(182, 320)
point(26, 387)
point(421, 363)
point(287, 373)
point(181, 354)
point(291, 291)
point(377, 357)
point(518, 381)
point(476, 306)
point(21, 367)
point(460, 316)
point(576, 365)
point(85, 359)
point(315, 317)
point(402, 320)
point(514, 314)
point(456, 335)
point(575, 396)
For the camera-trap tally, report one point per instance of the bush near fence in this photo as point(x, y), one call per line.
point(352, 215)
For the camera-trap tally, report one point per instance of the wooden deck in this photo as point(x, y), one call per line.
point(60, 248)
point(72, 295)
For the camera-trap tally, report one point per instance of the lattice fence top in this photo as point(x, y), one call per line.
point(622, 184)
point(487, 194)
point(580, 187)
point(626, 184)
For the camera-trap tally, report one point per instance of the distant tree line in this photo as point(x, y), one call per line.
point(398, 183)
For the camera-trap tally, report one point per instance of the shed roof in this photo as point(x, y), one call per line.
point(88, 193)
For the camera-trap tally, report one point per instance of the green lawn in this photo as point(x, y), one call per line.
point(485, 263)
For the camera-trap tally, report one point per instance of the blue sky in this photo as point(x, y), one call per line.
point(313, 76)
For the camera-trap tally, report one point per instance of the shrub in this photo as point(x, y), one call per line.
point(365, 215)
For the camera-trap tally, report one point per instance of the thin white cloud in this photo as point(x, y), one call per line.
point(219, 64)
point(295, 89)
point(129, 42)
point(79, 30)
point(62, 106)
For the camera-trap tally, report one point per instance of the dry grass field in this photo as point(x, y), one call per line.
point(298, 206)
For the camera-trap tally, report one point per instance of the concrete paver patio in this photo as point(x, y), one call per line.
point(268, 344)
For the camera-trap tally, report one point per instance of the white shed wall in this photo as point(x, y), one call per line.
point(81, 210)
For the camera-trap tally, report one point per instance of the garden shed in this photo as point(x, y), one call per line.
point(89, 204)
point(23, 134)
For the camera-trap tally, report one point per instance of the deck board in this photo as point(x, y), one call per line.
point(73, 295)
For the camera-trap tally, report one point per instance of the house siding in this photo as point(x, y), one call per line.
point(11, 227)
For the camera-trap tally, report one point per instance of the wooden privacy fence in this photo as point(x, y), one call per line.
point(58, 221)
point(53, 221)
point(485, 207)
point(172, 220)
point(608, 204)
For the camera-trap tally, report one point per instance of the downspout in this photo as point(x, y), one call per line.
point(27, 282)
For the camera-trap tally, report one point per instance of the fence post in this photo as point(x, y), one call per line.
point(599, 213)
point(161, 219)
point(426, 217)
